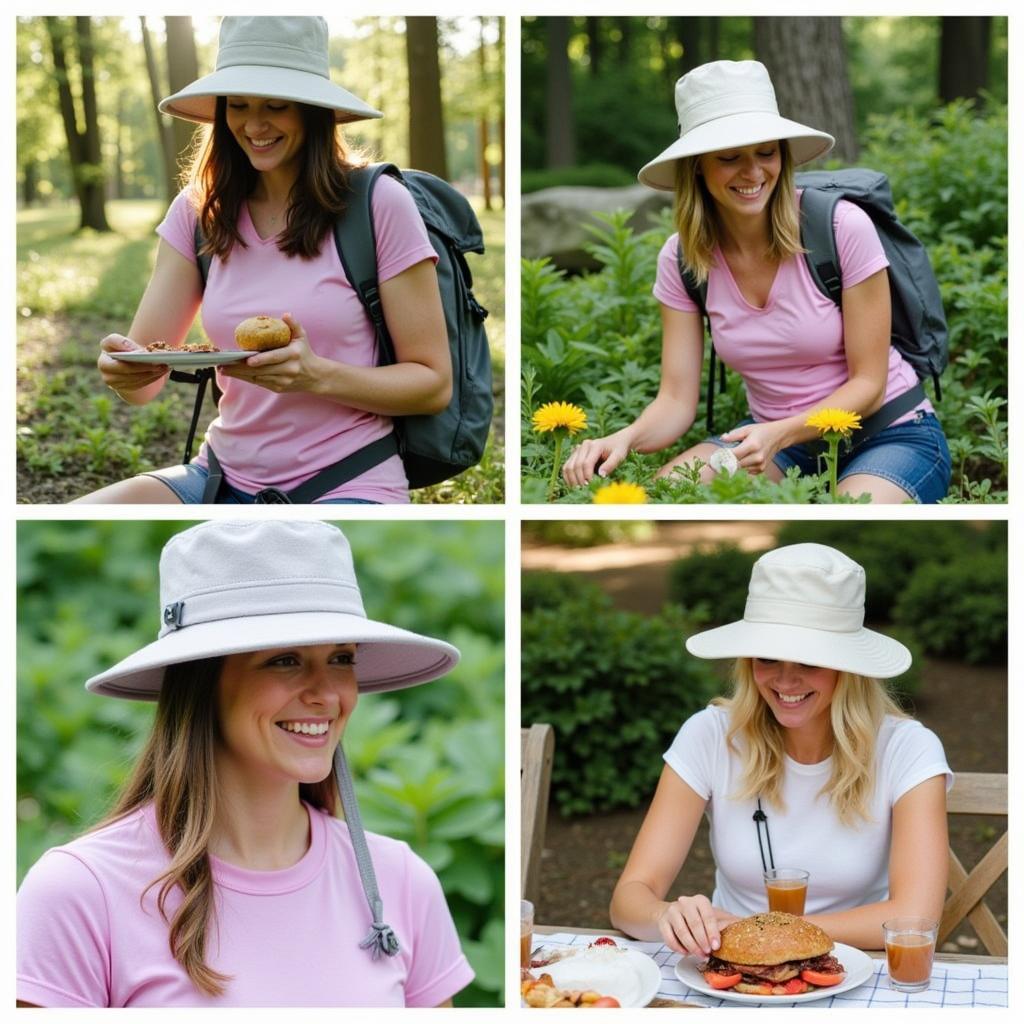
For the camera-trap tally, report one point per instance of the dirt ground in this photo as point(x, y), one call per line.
point(583, 857)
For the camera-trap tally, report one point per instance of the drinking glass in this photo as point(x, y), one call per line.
point(525, 932)
point(787, 889)
point(909, 951)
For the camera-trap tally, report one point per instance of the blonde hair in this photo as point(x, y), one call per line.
point(859, 705)
point(697, 220)
point(176, 772)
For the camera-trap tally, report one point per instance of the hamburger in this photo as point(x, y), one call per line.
point(773, 954)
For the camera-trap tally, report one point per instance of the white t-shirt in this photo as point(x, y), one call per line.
point(849, 866)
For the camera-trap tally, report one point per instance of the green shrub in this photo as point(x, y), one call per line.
point(711, 583)
point(586, 533)
point(587, 175)
point(615, 686)
point(551, 590)
point(595, 339)
point(958, 610)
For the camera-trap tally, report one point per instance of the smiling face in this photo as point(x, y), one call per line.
point(281, 712)
point(742, 180)
point(270, 132)
point(798, 695)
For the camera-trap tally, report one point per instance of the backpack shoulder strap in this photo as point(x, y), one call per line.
point(356, 242)
point(698, 292)
point(817, 235)
point(202, 258)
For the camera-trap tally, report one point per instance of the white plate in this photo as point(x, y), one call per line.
point(631, 977)
point(182, 360)
point(859, 967)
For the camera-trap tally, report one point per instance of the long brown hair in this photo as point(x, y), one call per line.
point(859, 706)
point(220, 178)
point(697, 220)
point(176, 772)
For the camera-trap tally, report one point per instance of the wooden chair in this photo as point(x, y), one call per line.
point(976, 793)
point(537, 751)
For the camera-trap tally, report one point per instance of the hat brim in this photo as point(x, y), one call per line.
point(387, 658)
point(863, 652)
point(732, 132)
point(198, 101)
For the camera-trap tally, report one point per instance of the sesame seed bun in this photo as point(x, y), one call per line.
point(772, 938)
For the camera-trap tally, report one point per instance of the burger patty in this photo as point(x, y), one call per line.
point(775, 973)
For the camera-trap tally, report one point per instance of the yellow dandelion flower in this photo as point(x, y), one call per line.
point(620, 494)
point(559, 416)
point(838, 421)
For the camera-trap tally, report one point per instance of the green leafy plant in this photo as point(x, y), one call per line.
point(614, 685)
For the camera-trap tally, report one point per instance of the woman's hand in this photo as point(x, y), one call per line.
point(293, 367)
point(126, 378)
point(759, 442)
point(692, 926)
point(606, 452)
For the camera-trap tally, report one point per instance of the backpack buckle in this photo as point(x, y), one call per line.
point(373, 304)
point(272, 496)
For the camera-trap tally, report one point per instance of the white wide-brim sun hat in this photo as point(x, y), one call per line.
point(281, 58)
point(805, 604)
point(728, 104)
point(228, 587)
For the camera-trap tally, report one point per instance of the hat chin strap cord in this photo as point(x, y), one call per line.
point(381, 940)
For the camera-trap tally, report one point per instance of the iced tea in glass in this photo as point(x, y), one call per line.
point(525, 932)
point(787, 889)
point(909, 951)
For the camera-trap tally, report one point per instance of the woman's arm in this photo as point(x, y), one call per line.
point(689, 924)
point(867, 317)
point(667, 418)
point(918, 870)
point(419, 382)
point(165, 313)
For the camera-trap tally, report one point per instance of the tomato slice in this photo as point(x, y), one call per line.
point(606, 1001)
point(603, 941)
point(822, 980)
point(722, 980)
point(793, 987)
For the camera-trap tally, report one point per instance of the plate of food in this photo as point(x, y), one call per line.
point(602, 974)
point(255, 334)
point(776, 956)
point(186, 357)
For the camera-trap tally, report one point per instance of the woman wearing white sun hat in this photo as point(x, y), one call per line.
point(222, 876)
point(810, 764)
point(267, 185)
point(738, 220)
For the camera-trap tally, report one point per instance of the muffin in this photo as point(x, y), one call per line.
point(259, 333)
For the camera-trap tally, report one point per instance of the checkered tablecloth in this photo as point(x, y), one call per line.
point(952, 984)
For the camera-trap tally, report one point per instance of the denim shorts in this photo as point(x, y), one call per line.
point(913, 455)
point(188, 482)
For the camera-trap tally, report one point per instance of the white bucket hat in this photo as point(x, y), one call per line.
point(806, 604)
point(227, 587)
point(282, 58)
point(724, 105)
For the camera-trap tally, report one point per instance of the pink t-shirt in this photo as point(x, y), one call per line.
point(790, 353)
point(288, 938)
point(263, 439)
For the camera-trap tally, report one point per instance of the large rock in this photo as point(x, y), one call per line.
point(553, 219)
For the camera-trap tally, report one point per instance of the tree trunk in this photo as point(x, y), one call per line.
point(29, 179)
point(182, 68)
point(83, 146)
point(485, 170)
point(806, 58)
point(595, 45)
point(561, 148)
point(117, 181)
point(625, 26)
point(964, 58)
point(426, 118)
point(713, 26)
point(501, 106)
point(164, 133)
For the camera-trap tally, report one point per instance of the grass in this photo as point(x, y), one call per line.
point(73, 288)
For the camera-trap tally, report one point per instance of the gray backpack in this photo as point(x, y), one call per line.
point(433, 448)
point(918, 321)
